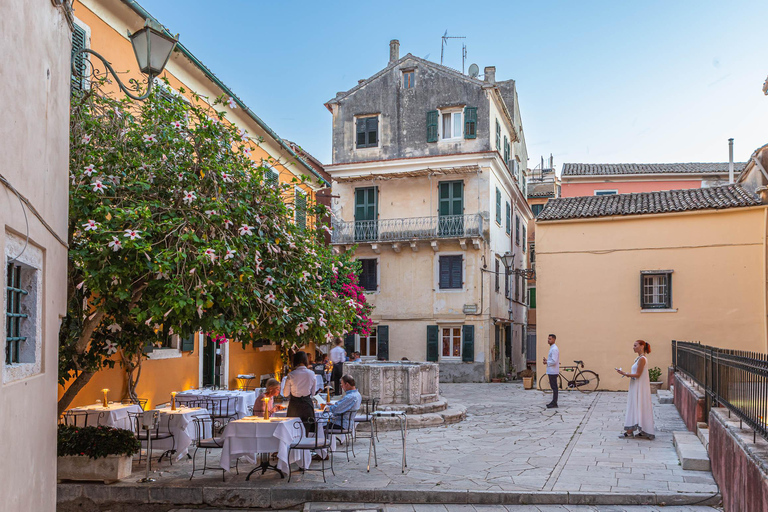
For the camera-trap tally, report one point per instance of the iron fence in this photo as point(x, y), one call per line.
point(414, 228)
point(735, 379)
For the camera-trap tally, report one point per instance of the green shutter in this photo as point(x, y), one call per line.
point(498, 205)
point(432, 342)
point(532, 298)
point(432, 126)
point(508, 218)
point(468, 344)
point(148, 347)
point(77, 58)
point(470, 122)
point(349, 343)
point(300, 206)
point(382, 348)
point(188, 343)
point(498, 136)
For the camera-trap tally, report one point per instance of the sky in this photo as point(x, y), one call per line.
point(598, 81)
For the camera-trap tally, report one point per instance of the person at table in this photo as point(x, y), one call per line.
point(338, 356)
point(300, 385)
point(271, 390)
point(349, 402)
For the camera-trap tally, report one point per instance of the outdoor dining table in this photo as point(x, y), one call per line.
point(243, 399)
point(254, 435)
point(114, 415)
point(181, 424)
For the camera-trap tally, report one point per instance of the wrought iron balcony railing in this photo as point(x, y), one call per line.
point(414, 228)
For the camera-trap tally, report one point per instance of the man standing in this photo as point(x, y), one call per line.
point(338, 356)
point(553, 368)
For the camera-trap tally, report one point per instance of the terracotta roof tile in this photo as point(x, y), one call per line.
point(619, 169)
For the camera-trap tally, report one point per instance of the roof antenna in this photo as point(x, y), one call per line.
point(444, 42)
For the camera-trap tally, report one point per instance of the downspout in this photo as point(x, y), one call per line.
point(765, 280)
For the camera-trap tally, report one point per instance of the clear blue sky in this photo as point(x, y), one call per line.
point(609, 81)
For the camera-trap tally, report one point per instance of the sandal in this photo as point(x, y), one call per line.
point(643, 435)
point(626, 434)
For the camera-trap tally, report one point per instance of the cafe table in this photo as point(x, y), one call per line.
point(181, 424)
point(114, 415)
point(243, 399)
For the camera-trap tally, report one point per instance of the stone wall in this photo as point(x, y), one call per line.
point(689, 400)
point(462, 372)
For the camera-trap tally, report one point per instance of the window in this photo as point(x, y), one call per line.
point(408, 79)
point(517, 287)
point(517, 230)
point(508, 217)
point(498, 206)
point(532, 298)
point(367, 345)
point(271, 176)
point(506, 282)
point(451, 342)
point(533, 253)
point(498, 272)
point(367, 132)
point(451, 272)
point(606, 192)
point(14, 317)
point(470, 122)
point(656, 290)
point(525, 240)
point(368, 274)
point(506, 151)
point(300, 208)
point(537, 209)
point(452, 124)
point(78, 80)
point(498, 136)
point(366, 213)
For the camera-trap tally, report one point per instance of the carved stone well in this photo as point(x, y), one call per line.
point(396, 382)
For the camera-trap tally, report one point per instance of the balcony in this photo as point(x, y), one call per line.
point(408, 230)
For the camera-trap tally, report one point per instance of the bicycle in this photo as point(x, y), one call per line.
point(585, 381)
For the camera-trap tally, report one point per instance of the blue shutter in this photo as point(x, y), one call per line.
point(382, 348)
point(432, 126)
point(498, 136)
point(468, 344)
point(498, 205)
point(432, 343)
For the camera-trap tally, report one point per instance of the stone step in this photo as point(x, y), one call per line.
point(692, 454)
point(438, 405)
point(702, 431)
point(454, 414)
point(665, 396)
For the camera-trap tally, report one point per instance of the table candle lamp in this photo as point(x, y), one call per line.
point(105, 391)
point(173, 400)
point(266, 408)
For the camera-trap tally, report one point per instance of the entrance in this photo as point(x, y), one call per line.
point(212, 363)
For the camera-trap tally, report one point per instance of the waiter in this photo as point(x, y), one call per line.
point(338, 356)
point(300, 385)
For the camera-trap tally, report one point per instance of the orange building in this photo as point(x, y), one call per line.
point(103, 25)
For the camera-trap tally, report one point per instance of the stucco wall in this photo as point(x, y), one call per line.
point(34, 141)
point(588, 286)
point(573, 188)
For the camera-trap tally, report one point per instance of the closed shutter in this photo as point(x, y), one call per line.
point(498, 205)
point(361, 133)
point(432, 342)
point(532, 298)
point(188, 342)
point(450, 270)
point(525, 239)
point(432, 126)
point(382, 348)
point(468, 344)
point(300, 205)
point(271, 176)
point(372, 127)
point(470, 122)
point(517, 230)
point(509, 216)
point(456, 272)
point(349, 343)
point(498, 272)
point(78, 59)
point(498, 136)
point(506, 282)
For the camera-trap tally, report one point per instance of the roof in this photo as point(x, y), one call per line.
point(541, 189)
point(668, 201)
point(620, 169)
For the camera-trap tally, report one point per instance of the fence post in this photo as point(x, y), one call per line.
point(674, 355)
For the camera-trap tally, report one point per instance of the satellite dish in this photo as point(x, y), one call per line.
point(474, 70)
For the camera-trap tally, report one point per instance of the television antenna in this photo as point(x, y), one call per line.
point(443, 44)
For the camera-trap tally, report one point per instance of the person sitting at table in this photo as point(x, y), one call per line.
point(300, 385)
point(271, 390)
point(349, 402)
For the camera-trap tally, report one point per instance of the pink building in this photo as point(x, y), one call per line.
point(606, 179)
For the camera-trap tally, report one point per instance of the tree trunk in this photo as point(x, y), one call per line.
point(72, 391)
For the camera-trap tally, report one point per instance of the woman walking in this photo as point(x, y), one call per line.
point(300, 385)
point(639, 414)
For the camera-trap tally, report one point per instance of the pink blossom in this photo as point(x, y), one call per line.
point(226, 177)
point(86, 139)
point(91, 225)
point(232, 103)
point(177, 125)
point(189, 196)
point(245, 230)
point(150, 139)
point(228, 223)
point(230, 254)
point(98, 186)
point(270, 298)
point(115, 244)
point(133, 234)
point(88, 171)
point(269, 281)
point(210, 253)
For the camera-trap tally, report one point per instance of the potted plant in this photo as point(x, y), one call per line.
point(95, 453)
point(655, 375)
point(499, 378)
point(527, 376)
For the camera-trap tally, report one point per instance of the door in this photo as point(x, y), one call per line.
point(451, 209)
point(211, 372)
point(366, 214)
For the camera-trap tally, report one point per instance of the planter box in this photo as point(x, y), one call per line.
point(655, 386)
point(528, 382)
point(106, 469)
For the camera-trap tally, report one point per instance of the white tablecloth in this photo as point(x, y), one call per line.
point(318, 378)
point(243, 399)
point(253, 435)
point(115, 415)
point(181, 424)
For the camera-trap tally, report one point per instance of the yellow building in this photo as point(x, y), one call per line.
point(659, 266)
point(102, 26)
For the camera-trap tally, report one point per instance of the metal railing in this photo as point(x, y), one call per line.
point(735, 379)
point(414, 228)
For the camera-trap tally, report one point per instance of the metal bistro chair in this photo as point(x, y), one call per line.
point(141, 402)
point(315, 443)
point(144, 435)
point(365, 415)
point(347, 418)
point(205, 439)
point(75, 418)
point(221, 408)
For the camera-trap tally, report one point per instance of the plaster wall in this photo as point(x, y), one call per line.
point(588, 286)
point(582, 188)
point(34, 141)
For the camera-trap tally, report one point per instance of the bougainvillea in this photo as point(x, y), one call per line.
point(174, 229)
point(346, 285)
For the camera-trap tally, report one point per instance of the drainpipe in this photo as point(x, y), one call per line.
point(730, 161)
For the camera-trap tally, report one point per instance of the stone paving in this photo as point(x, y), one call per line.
point(347, 507)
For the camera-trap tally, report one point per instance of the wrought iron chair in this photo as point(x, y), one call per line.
point(141, 402)
point(75, 418)
point(321, 440)
point(156, 435)
point(336, 427)
point(205, 439)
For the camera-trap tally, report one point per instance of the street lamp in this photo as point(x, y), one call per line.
point(509, 261)
point(152, 48)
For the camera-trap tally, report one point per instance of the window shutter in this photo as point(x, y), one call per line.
point(470, 122)
point(498, 205)
point(468, 344)
point(349, 343)
point(373, 131)
point(642, 289)
point(456, 273)
point(445, 272)
point(361, 123)
point(78, 43)
point(382, 348)
point(498, 136)
point(432, 342)
point(669, 291)
point(188, 343)
point(300, 207)
point(271, 176)
point(525, 239)
point(532, 298)
point(498, 271)
point(506, 282)
point(508, 219)
point(497, 341)
point(432, 126)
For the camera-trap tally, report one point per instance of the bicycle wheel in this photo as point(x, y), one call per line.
point(587, 381)
point(544, 383)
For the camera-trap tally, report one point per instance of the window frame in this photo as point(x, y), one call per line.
point(438, 262)
point(498, 206)
point(409, 79)
point(534, 207)
point(606, 192)
point(667, 294)
point(298, 192)
point(367, 131)
point(14, 293)
point(368, 339)
point(452, 339)
point(452, 112)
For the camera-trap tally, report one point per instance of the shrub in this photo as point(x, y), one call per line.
point(654, 374)
point(96, 442)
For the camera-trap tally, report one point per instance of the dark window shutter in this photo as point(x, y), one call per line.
point(349, 343)
point(498, 136)
point(373, 131)
point(525, 239)
point(445, 272)
point(432, 126)
point(470, 122)
point(300, 206)
point(148, 347)
point(188, 342)
point(669, 291)
point(498, 271)
point(497, 342)
point(78, 43)
point(509, 222)
point(498, 205)
point(532, 298)
point(368, 274)
point(468, 344)
point(642, 288)
point(382, 348)
point(517, 230)
point(271, 177)
point(361, 132)
point(432, 342)
point(456, 272)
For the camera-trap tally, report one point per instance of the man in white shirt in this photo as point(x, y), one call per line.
point(553, 368)
point(338, 356)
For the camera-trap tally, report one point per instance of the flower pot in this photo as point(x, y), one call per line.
point(106, 469)
point(655, 386)
point(496, 380)
point(527, 382)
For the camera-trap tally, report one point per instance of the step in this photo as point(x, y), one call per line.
point(702, 431)
point(692, 454)
point(665, 396)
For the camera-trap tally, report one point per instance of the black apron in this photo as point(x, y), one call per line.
point(302, 407)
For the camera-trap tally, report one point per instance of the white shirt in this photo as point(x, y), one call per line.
point(553, 360)
point(300, 382)
point(338, 354)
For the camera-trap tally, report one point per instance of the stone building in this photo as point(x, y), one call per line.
point(429, 170)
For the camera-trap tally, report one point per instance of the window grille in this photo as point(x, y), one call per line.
point(13, 315)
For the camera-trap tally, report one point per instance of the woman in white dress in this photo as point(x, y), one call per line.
point(639, 409)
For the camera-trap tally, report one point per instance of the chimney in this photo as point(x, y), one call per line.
point(490, 74)
point(730, 161)
point(394, 50)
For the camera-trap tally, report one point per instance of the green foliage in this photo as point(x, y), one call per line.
point(96, 442)
point(654, 374)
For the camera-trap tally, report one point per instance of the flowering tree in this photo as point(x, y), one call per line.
point(347, 285)
point(174, 229)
